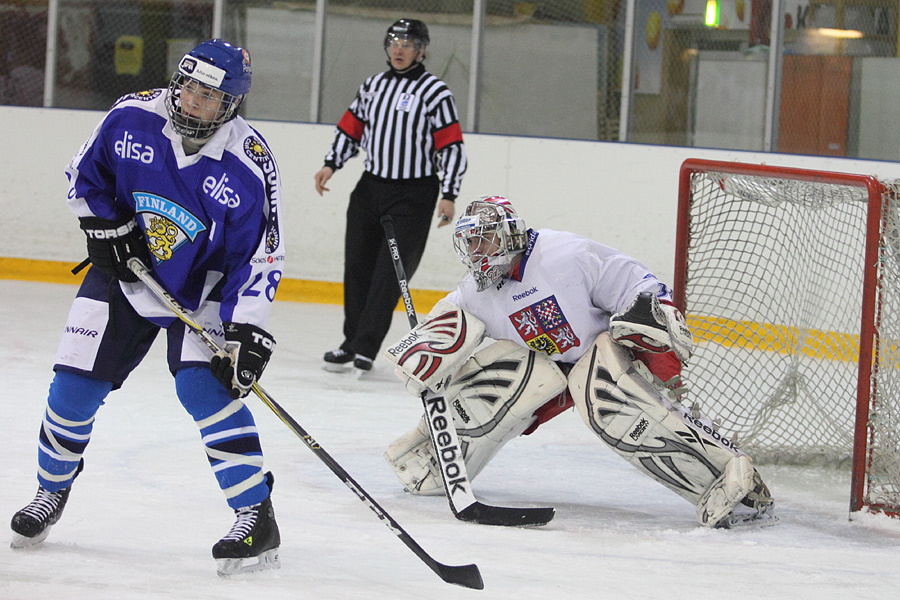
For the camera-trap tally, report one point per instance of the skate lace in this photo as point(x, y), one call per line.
point(43, 505)
point(246, 521)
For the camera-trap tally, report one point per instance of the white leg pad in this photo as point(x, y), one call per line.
point(411, 456)
point(494, 396)
point(640, 424)
point(724, 494)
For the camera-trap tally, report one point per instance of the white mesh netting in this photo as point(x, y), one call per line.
point(774, 292)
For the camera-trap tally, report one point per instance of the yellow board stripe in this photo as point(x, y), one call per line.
point(761, 336)
point(775, 338)
point(290, 290)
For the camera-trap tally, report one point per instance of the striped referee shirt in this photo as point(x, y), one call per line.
point(408, 125)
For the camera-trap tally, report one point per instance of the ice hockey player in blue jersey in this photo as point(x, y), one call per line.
point(175, 178)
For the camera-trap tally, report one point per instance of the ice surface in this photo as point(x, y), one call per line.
point(144, 514)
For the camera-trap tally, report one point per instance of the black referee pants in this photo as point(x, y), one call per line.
point(371, 290)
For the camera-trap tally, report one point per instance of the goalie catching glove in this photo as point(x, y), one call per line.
point(652, 326)
point(111, 243)
point(243, 358)
point(435, 349)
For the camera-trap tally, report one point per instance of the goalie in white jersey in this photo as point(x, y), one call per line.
point(573, 322)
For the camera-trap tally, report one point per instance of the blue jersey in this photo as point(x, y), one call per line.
point(211, 219)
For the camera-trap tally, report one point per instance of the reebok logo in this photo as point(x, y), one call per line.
point(404, 286)
point(449, 455)
point(525, 294)
point(461, 411)
point(710, 432)
point(639, 429)
point(405, 343)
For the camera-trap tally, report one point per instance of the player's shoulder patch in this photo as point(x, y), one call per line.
point(256, 150)
point(260, 155)
point(146, 95)
point(143, 96)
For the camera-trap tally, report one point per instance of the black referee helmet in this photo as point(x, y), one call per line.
point(407, 29)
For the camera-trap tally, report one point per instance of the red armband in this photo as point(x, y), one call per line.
point(351, 126)
point(450, 134)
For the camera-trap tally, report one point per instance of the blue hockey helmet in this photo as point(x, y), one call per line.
point(216, 76)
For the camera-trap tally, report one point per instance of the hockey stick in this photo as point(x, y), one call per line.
point(466, 575)
point(462, 499)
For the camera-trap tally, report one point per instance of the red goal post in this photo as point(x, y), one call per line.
point(790, 281)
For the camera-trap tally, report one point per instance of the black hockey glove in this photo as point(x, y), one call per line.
point(243, 358)
point(111, 243)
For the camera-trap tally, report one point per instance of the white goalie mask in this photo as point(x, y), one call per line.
point(488, 237)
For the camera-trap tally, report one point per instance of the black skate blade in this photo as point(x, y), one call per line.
point(20, 541)
point(232, 567)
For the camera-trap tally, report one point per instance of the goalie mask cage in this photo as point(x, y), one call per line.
point(790, 282)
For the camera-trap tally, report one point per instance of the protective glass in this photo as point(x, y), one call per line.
point(404, 41)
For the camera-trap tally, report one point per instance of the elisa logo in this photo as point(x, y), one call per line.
point(129, 149)
point(221, 192)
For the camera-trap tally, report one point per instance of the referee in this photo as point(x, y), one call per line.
point(405, 119)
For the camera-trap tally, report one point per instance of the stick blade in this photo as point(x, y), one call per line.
point(485, 514)
point(466, 575)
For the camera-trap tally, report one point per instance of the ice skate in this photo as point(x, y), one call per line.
point(738, 498)
point(362, 365)
point(337, 361)
point(31, 525)
point(756, 509)
point(252, 544)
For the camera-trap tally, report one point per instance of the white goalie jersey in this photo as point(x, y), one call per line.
point(561, 295)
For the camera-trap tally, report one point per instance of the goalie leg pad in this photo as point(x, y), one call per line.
point(726, 491)
point(493, 397)
point(661, 439)
point(503, 381)
point(411, 456)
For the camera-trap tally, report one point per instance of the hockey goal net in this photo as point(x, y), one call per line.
point(790, 282)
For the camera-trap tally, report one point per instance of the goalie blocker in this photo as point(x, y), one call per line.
point(496, 394)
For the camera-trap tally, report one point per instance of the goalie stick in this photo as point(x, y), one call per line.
point(465, 575)
point(463, 503)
